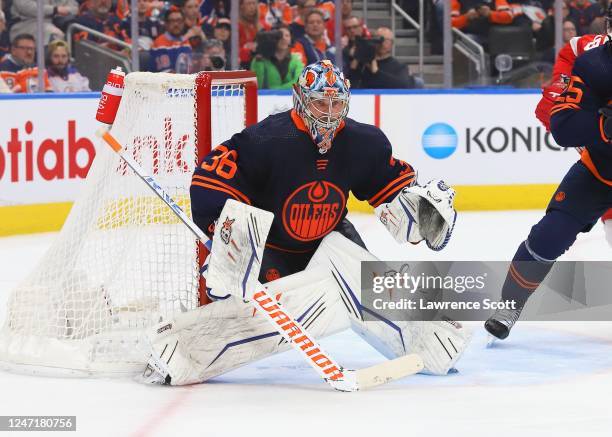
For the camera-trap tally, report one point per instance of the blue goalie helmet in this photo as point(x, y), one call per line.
point(321, 99)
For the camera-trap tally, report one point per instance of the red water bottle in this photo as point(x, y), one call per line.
point(111, 96)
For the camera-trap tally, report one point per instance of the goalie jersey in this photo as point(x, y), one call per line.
point(274, 165)
point(575, 120)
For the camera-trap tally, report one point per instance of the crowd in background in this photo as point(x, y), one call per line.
point(276, 37)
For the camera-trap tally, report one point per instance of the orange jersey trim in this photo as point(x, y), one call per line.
point(586, 159)
point(299, 123)
point(520, 280)
point(392, 187)
point(213, 187)
point(241, 197)
point(601, 129)
point(562, 107)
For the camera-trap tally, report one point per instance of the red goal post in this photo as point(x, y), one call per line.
point(208, 86)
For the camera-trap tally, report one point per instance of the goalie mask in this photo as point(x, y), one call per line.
point(321, 100)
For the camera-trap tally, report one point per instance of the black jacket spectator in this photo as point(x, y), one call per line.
point(384, 71)
point(5, 44)
point(583, 12)
point(98, 16)
point(391, 74)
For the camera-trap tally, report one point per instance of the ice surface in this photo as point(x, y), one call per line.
point(547, 379)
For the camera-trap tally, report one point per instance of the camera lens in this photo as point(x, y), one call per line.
point(217, 62)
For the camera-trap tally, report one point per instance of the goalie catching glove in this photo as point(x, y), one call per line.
point(421, 213)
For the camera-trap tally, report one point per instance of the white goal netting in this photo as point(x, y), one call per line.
point(122, 261)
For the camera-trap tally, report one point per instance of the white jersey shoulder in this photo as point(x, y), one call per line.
point(581, 44)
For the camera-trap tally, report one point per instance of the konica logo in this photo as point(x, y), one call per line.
point(440, 140)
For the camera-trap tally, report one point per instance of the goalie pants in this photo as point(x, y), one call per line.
point(278, 263)
point(579, 201)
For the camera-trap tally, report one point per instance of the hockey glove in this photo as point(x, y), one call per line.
point(421, 213)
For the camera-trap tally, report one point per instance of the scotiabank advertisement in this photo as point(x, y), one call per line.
point(47, 144)
point(46, 148)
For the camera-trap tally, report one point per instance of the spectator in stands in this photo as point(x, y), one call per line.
point(23, 15)
point(347, 12)
point(193, 23)
point(353, 29)
point(18, 69)
point(122, 9)
point(314, 45)
point(583, 12)
point(5, 44)
point(212, 58)
point(297, 26)
point(569, 31)
point(381, 70)
point(274, 64)
point(328, 7)
point(98, 17)
point(4, 88)
point(248, 26)
point(63, 77)
point(475, 17)
point(148, 28)
point(212, 10)
point(171, 52)
point(223, 33)
point(275, 12)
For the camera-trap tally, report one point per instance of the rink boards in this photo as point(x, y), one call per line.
point(486, 143)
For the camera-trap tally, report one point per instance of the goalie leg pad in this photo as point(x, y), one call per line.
point(440, 343)
point(238, 245)
point(226, 334)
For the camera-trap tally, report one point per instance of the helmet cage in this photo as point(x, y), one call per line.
point(321, 99)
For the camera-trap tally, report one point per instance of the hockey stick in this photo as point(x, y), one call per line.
point(288, 327)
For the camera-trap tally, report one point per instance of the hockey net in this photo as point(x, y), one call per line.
point(123, 262)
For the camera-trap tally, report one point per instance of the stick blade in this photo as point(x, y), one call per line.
point(389, 371)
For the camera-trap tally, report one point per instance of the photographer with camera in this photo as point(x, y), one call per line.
point(274, 64)
point(211, 58)
point(372, 65)
point(353, 29)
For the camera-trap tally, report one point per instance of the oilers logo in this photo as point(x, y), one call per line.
point(226, 230)
point(313, 210)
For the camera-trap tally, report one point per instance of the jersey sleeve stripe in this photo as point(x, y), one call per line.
point(212, 187)
point(562, 107)
point(241, 197)
point(391, 188)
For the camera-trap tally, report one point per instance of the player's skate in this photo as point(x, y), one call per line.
point(502, 321)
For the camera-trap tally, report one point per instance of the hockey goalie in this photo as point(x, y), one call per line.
point(273, 199)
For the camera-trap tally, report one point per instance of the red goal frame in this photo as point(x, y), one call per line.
point(203, 125)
